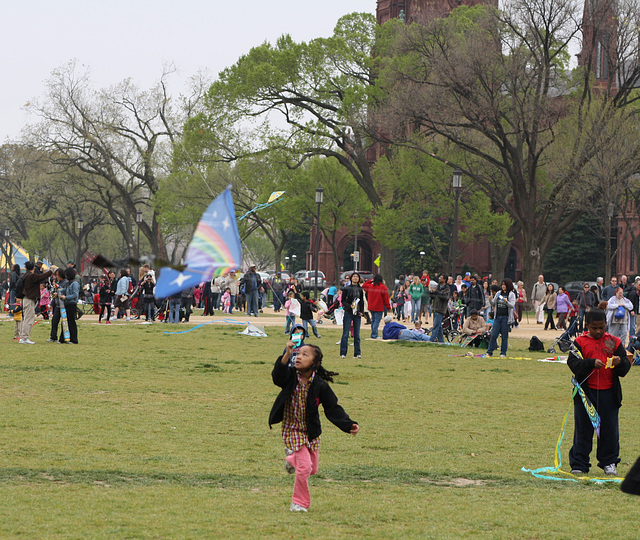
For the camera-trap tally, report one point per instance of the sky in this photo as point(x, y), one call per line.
point(134, 39)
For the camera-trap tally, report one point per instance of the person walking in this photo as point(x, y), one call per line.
point(549, 303)
point(537, 295)
point(416, 290)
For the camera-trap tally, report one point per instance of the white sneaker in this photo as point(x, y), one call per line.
point(297, 508)
point(26, 342)
point(342, 356)
point(611, 470)
point(503, 356)
point(128, 319)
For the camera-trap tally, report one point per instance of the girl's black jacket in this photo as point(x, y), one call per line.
point(320, 392)
point(349, 294)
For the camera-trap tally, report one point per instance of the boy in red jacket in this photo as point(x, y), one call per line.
point(598, 366)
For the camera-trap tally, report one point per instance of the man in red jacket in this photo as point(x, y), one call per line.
point(378, 301)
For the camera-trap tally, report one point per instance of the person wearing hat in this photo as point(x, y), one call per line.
point(38, 268)
point(251, 282)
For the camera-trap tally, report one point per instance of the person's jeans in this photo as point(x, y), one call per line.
point(632, 325)
point(500, 327)
point(412, 335)
point(436, 334)
point(346, 327)
point(232, 303)
point(376, 317)
point(174, 311)
point(278, 301)
point(290, 323)
point(252, 303)
point(581, 313)
point(415, 309)
point(305, 325)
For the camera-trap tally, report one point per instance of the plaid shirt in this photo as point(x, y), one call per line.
point(294, 424)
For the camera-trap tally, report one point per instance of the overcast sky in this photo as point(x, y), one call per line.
point(118, 39)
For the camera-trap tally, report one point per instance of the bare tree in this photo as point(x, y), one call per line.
point(122, 136)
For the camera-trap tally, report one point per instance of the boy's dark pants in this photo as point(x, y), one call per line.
point(608, 446)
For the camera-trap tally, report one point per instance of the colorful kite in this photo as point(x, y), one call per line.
point(215, 249)
point(273, 199)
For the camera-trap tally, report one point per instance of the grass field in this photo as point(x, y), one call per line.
point(138, 434)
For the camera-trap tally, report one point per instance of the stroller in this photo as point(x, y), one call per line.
point(452, 324)
point(564, 341)
point(329, 313)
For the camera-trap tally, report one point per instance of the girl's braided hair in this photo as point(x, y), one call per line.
point(318, 367)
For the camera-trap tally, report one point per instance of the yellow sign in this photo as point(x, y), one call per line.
point(377, 261)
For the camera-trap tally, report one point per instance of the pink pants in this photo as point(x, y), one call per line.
point(305, 463)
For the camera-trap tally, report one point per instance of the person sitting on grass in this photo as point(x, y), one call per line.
point(474, 327)
point(598, 365)
point(304, 388)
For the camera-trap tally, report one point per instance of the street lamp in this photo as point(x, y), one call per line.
point(457, 187)
point(319, 197)
point(286, 263)
point(293, 263)
point(422, 254)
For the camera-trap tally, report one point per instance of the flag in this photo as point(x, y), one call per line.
point(214, 250)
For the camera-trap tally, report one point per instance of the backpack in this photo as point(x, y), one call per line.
point(535, 345)
point(19, 290)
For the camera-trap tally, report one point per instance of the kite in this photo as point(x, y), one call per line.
point(273, 199)
point(591, 410)
point(214, 251)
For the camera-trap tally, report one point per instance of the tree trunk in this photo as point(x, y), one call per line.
point(388, 266)
point(499, 256)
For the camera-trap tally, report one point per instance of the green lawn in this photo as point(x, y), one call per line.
point(138, 434)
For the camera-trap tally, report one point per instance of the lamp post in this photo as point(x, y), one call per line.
point(422, 254)
point(293, 263)
point(457, 187)
point(319, 197)
point(286, 263)
point(80, 227)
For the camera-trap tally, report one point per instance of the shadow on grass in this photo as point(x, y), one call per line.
point(345, 475)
